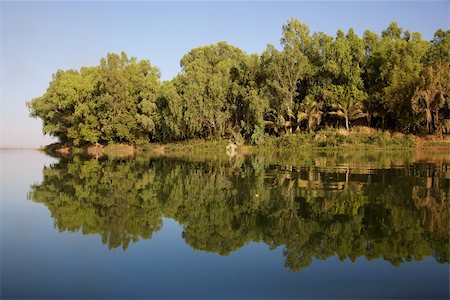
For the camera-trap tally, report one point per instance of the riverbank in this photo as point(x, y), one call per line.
point(361, 138)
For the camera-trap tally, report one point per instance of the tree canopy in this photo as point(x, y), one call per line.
point(393, 80)
point(113, 102)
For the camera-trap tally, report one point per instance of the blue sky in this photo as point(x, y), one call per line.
point(38, 38)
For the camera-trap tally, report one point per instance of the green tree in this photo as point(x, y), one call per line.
point(170, 124)
point(204, 85)
point(396, 79)
point(250, 100)
point(113, 102)
point(311, 112)
point(401, 63)
point(432, 95)
point(346, 102)
point(344, 58)
point(287, 68)
point(374, 106)
point(65, 107)
point(440, 47)
point(127, 96)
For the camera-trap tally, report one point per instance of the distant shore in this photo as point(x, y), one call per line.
point(15, 148)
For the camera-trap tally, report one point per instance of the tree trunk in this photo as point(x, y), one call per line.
point(437, 125)
point(369, 119)
point(290, 112)
point(346, 123)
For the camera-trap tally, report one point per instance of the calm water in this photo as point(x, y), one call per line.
point(281, 226)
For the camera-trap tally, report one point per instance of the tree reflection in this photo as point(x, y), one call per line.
point(311, 210)
point(113, 199)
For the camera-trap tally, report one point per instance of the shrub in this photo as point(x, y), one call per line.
point(257, 137)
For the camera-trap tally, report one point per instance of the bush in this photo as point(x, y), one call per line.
point(257, 137)
point(237, 138)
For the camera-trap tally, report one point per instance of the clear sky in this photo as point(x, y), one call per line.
point(38, 38)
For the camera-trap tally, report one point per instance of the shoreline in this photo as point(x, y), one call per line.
point(284, 144)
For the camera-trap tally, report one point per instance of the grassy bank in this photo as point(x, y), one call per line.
point(358, 138)
point(111, 150)
point(361, 138)
point(323, 140)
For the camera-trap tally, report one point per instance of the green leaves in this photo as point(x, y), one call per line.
point(205, 87)
point(222, 91)
point(311, 111)
point(392, 72)
point(346, 102)
point(114, 102)
point(432, 95)
point(288, 67)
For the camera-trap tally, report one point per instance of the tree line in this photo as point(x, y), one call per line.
point(393, 81)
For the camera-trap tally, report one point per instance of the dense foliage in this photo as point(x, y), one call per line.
point(305, 206)
point(395, 80)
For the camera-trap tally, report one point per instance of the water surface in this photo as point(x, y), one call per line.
point(311, 225)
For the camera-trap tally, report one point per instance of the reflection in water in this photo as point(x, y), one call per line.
point(314, 206)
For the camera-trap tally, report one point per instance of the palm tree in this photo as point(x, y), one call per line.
point(276, 121)
point(346, 102)
point(311, 111)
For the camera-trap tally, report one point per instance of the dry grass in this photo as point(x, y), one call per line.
point(433, 141)
point(95, 151)
point(120, 150)
point(363, 130)
point(113, 150)
point(159, 150)
point(64, 151)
